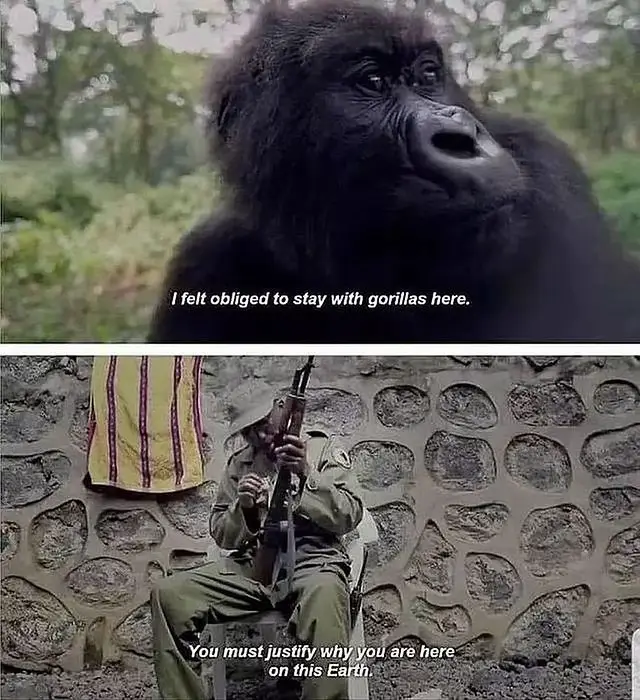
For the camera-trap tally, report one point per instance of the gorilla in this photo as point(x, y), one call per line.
point(354, 165)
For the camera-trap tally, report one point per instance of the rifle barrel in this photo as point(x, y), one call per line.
point(306, 373)
point(296, 381)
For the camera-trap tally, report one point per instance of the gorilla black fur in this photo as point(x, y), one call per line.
point(352, 161)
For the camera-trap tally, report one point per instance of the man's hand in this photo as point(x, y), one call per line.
point(252, 490)
point(293, 454)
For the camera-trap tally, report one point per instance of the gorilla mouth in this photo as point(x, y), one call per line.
point(455, 144)
point(415, 192)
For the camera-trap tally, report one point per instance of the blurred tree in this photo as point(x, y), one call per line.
point(88, 82)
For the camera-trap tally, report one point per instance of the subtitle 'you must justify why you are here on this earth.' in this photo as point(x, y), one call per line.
point(318, 301)
point(356, 658)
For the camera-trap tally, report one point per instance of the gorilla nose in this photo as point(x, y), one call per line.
point(448, 146)
point(455, 133)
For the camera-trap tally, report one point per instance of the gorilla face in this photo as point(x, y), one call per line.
point(344, 117)
point(396, 108)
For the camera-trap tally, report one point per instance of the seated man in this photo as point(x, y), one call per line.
point(316, 598)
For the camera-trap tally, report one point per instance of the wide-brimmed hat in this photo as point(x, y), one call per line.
point(249, 408)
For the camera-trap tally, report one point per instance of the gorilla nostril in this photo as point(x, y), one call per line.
point(455, 143)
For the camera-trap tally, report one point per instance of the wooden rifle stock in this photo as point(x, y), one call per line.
point(288, 421)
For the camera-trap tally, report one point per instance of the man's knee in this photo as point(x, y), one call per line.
point(323, 606)
point(327, 586)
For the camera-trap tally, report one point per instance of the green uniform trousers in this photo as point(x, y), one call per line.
point(181, 605)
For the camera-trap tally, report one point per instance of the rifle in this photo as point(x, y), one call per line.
point(275, 531)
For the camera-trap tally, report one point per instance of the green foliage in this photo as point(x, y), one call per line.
point(616, 181)
point(124, 100)
point(41, 190)
point(64, 281)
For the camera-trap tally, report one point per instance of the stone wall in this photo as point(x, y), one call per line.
point(506, 492)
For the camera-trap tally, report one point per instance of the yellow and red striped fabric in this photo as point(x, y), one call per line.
point(145, 427)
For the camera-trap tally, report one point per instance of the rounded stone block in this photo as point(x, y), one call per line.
point(614, 625)
point(102, 582)
point(614, 503)
point(189, 512)
point(30, 419)
point(476, 523)
point(468, 406)
point(492, 581)
point(401, 406)
point(182, 559)
point(134, 632)
point(27, 480)
point(611, 453)
point(540, 362)
point(382, 608)
point(28, 369)
point(79, 422)
point(208, 447)
point(432, 562)
point(481, 647)
point(547, 403)
point(129, 530)
point(442, 620)
point(538, 462)
point(83, 368)
point(9, 540)
point(616, 396)
point(556, 540)
point(396, 522)
point(36, 626)
point(622, 558)
point(379, 464)
point(385, 598)
point(334, 410)
point(57, 537)
point(459, 463)
point(547, 626)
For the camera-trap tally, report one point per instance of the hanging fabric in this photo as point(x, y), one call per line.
point(145, 428)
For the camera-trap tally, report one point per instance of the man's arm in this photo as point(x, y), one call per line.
point(331, 497)
point(230, 525)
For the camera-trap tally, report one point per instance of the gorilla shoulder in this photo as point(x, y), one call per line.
point(219, 254)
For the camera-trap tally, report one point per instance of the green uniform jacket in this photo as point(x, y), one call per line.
point(328, 507)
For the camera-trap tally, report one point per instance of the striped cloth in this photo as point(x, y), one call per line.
point(145, 428)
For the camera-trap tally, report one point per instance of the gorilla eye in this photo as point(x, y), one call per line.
point(429, 75)
point(372, 80)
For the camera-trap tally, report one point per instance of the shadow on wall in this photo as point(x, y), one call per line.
point(505, 490)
